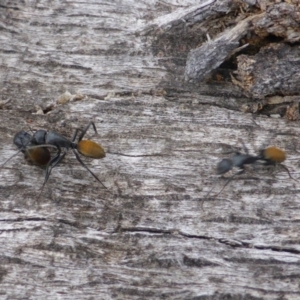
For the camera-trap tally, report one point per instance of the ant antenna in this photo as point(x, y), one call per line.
point(244, 146)
point(12, 157)
point(30, 129)
point(24, 148)
point(84, 131)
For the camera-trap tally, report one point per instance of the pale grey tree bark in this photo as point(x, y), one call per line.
point(171, 85)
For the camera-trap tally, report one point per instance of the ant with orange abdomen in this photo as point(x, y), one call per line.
point(35, 147)
point(270, 156)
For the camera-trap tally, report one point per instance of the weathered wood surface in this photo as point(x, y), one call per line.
point(147, 237)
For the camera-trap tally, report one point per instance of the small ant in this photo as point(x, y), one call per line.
point(86, 148)
point(36, 150)
point(269, 156)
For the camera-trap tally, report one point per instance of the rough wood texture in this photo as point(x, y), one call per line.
point(148, 236)
point(208, 57)
point(271, 72)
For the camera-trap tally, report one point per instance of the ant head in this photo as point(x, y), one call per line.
point(224, 166)
point(22, 139)
point(272, 155)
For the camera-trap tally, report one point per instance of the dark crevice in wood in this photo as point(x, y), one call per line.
point(255, 43)
point(146, 230)
point(10, 7)
point(70, 223)
point(23, 220)
point(230, 242)
point(278, 249)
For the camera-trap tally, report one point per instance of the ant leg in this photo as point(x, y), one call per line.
point(83, 131)
point(245, 149)
point(214, 185)
point(83, 164)
point(286, 169)
point(75, 135)
point(82, 134)
point(270, 163)
point(228, 181)
point(244, 146)
point(211, 189)
point(53, 162)
point(22, 149)
point(86, 129)
point(40, 146)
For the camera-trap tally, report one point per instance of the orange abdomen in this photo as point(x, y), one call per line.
point(274, 154)
point(90, 149)
point(39, 156)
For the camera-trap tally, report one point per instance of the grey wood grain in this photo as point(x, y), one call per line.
point(153, 234)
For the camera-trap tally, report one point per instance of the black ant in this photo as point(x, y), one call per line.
point(269, 156)
point(86, 148)
point(36, 149)
point(34, 153)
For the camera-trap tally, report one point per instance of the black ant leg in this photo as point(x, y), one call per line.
point(229, 180)
point(238, 152)
point(83, 164)
point(49, 166)
point(75, 134)
point(270, 163)
point(244, 146)
point(22, 149)
point(286, 169)
point(53, 162)
point(84, 131)
point(211, 189)
point(214, 185)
